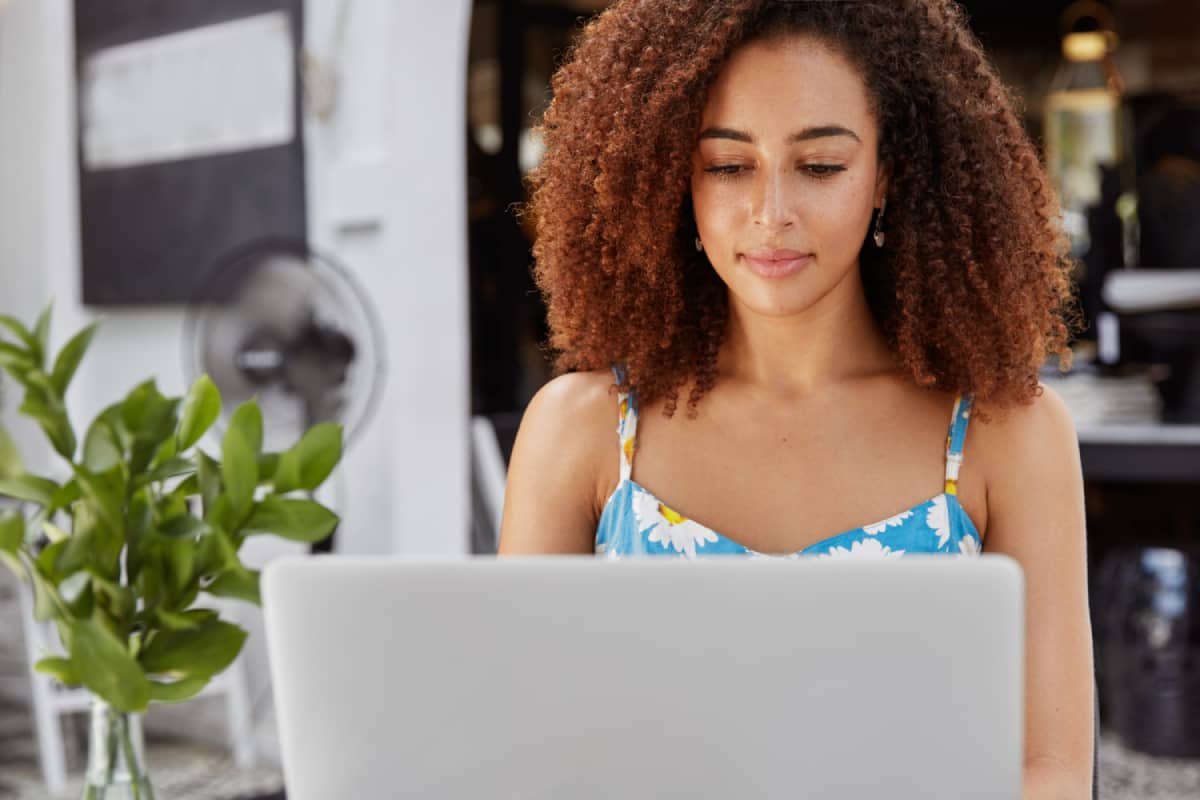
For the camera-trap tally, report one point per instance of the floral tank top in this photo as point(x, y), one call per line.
point(636, 523)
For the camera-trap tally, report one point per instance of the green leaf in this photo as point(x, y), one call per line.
point(106, 666)
point(177, 691)
point(239, 460)
point(32, 488)
point(201, 652)
point(179, 561)
point(44, 606)
point(53, 532)
point(318, 451)
point(139, 515)
point(14, 564)
point(220, 514)
point(121, 599)
point(215, 553)
point(69, 357)
point(12, 531)
point(14, 358)
point(188, 487)
point(73, 586)
point(185, 621)
point(101, 447)
point(149, 581)
point(100, 491)
point(79, 552)
point(54, 422)
point(60, 669)
point(166, 451)
point(47, 561)
point(227, 555)
point(47, 604)
point(94, 545)
point(240, 584)
point(171, 468)
point(247, 418)
point(201, 407)
point(142, 406)
point(84, 605)
point(172, 505)
point(66, 494)
point(208, 475)
point(19, 330)
point(184, 527)
point(268, 465)
point(287, 473)
point(151, 419)
point(292, 518)
point(41, 335)
point(10, 458)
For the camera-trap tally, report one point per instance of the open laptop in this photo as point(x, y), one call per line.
point(577, 677)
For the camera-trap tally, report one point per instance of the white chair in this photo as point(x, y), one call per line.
point(51, 700)
point(489, 473)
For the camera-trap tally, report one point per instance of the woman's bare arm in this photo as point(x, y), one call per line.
point(564, 461)
point(1036, 515)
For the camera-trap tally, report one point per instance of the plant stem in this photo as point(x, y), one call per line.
point(110, 766)
point(131, 760)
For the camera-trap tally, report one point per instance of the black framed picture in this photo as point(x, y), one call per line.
point(190, 139)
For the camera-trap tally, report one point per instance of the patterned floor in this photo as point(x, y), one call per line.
point(187, 771)
point(178, 771)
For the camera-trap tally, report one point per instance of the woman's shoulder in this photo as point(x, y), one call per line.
point(564, 456)
point(572, 421)
point(1046, 413)
point(1017, 439)
point(575, 398)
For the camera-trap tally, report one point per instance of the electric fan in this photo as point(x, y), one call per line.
point(278, 321)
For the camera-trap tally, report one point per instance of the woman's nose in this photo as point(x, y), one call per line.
point(772, 204)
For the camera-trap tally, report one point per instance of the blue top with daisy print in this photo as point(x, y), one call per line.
point(636, 523)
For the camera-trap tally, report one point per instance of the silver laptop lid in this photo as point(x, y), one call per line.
point(563, 677)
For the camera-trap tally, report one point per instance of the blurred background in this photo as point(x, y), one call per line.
point(312, 201)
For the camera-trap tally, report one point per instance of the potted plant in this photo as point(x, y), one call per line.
point(145, 525)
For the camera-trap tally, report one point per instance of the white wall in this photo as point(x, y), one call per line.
point(386, 197)
point(387, 182)
point(387, 192)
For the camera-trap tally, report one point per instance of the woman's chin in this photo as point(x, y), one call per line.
point(776, 301)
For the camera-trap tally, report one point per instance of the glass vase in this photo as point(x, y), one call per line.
point(116, 768)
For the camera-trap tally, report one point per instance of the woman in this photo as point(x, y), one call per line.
point(822, 224)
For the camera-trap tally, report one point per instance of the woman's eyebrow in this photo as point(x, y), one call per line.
point(816, 132)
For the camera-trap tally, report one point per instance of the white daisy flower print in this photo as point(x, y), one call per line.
point(937, 518)
point(890, 522)
point(968, 546)
point(668, 527)
point(864, 549)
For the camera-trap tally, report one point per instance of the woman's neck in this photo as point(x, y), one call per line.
point(836, 339)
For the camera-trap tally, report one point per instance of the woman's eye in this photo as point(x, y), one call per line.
point(728, 171)
point(724, 170)
point(823, 170)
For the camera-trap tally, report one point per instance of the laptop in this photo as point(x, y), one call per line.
point(578, 677)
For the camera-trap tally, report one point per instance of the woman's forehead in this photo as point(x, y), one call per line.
point(788, 84)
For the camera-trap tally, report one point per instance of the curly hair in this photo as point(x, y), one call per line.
point(973, 291)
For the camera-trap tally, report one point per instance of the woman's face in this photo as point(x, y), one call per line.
point(785, 174)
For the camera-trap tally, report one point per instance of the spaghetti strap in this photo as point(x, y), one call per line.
point(626, 425)
point(959, 419)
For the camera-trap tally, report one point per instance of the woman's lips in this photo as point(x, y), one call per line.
point(776, 263)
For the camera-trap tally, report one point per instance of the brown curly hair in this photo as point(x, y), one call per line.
point(973, 291)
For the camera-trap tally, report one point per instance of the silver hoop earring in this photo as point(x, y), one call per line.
point(879, 235)
point(699, 245)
